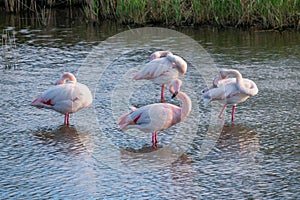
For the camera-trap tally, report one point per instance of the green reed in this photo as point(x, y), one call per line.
point(265, 14)
point(132, 11)
point(260, 13)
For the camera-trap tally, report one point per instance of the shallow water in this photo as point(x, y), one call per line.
point(257, 157)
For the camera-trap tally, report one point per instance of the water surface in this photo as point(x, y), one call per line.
point(257, 157)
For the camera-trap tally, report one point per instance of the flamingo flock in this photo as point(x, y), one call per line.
point(164, 68)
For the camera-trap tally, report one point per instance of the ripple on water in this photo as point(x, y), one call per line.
point(256, 158)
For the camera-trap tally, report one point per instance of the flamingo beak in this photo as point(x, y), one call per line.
point(174, 95)
point(204, 90)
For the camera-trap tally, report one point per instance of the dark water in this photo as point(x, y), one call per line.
point(200, 158)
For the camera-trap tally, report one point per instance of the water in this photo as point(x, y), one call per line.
point(257, 157)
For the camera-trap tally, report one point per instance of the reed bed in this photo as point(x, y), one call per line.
point(263, 14)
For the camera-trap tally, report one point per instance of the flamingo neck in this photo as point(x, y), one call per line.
point(68, 76)
point(240, 83)
point(179, 63)
point(175, 86)
point(186, 104)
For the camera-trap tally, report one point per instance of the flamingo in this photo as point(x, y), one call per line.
point(159, 116)
point(230, 90)
point(65, 97)
point(163, 68)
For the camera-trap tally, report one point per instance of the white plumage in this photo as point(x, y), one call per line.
point(162, 70)
point(230, 90)
point(65, 97)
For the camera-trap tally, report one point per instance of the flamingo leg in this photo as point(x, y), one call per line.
point(162, 96)
point(67, 119)
point(232, 113)
point(220, 115)
point(154, 140)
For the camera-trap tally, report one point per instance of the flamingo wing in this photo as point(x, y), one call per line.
point(225, 89)
point(231, 90)
point(135, 117)
point(64, 98)
point(150, 118)
point(228, 92)
point(161, 70)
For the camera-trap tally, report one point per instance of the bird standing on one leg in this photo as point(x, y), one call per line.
point(65, 97)
point(230, 90)
point(163, 68)
point(159, 116)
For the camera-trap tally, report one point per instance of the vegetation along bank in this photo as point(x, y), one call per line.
point(260, 14)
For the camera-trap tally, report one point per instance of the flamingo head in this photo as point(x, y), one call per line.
point(224, 73)
point(174, 87)
point(59, 82)
point(153, 56)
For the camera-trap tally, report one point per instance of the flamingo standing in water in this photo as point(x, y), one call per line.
point(163, 68)
point(229, 90)
point(158, 116)
point(65, 97)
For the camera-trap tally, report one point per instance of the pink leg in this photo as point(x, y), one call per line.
point(67, 119)
point(220, 115)
point(154, 140)
point(162, 98)
point(232, 113)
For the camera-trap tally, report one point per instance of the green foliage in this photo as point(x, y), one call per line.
point(131, 11)
point(263, 14)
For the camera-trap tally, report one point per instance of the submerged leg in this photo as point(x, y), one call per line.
point(220, 115)
point(162, 95)
point(154, 140)
point(232, 113)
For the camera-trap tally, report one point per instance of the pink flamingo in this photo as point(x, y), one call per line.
point(162, 70)
point(158, 116)
point(230, 90)
point(65, 97)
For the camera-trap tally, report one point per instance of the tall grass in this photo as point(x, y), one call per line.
point(91, 10)
point(263, 14)
point(132, 11)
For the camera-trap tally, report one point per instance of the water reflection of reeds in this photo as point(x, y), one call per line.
point(9, 48)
